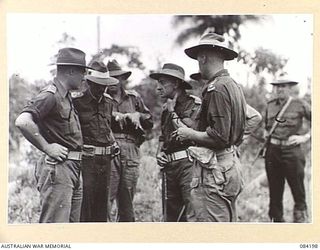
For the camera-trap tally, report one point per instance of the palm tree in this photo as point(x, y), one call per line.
point(221, 24)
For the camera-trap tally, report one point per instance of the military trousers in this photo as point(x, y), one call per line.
point(285, 163)
point(124, 177)
point(96, 187)
point(176, 190)
point(60, 187)
point(214, 189)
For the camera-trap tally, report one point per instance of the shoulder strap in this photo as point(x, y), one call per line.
point(197, 100)
point(279, 116)
point(50, 88)
point(132, 92)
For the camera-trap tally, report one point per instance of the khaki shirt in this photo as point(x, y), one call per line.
point(131, 102)
point(292, 120)
point(95, 119)
point(53, 111)
point(223, 111)
point(186, 107)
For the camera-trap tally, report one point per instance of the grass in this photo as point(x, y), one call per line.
point(23, 205)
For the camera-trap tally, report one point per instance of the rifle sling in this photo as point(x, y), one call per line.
point(282, 111)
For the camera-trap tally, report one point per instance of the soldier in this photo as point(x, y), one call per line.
point(284, 159)
point(253, 117)
point(50, 123)
point(95, 111)
point(217, 180)
point(130, 119)
point(180, 110)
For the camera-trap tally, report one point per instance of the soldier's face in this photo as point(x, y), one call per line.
point(76, 75)
point(282, 90)
point(166, 87)
point(113, 89)
point(97, 90)
point(202, 59)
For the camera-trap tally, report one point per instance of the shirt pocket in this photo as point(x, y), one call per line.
point(70, 121)
point(291, 119)
point(233, 182)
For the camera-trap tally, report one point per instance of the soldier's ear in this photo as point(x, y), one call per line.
point(202, 58)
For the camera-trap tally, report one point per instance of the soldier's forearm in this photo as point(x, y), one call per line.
point(177, 121)
point(307, 136)
point(159, 147)
point(202, 139)
point(146, 120)
point(31, 131)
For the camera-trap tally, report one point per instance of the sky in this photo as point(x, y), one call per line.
point(32, 41)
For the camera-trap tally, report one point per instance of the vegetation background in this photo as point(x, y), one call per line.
point(23, 204)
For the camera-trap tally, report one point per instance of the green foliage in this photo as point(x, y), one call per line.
point(131, 52)
point(264, 60)
point(147, 201)
point(252, 202)
point(221, 24)
point(24, 201)
point(20, 91)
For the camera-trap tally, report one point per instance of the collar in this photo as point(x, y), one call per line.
point(88, 97)
point(123, 96)
point(222, 72)
point(61, 88)
point(182, 98)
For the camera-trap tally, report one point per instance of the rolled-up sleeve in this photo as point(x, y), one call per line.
point(146, 121)
point(253, 119)
point(219, 119)
point(40, 106)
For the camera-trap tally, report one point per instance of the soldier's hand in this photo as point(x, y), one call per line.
point(171, 103)
point(162, 159)
point(182, 134)
point(297, 139)
point(120, 118)
point(56, 151)
point(265, 134)
point(135, 119)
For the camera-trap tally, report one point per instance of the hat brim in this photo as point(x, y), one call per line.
point(196, 76)
point(125, 74)
point(184, 84)
point(229, 54)
point(281, 82)
point(72, 64)
point(102, 81)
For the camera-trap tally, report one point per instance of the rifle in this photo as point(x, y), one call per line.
point(262, 151)
point(164, 195)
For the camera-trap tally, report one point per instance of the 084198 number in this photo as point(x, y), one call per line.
point(308, 246)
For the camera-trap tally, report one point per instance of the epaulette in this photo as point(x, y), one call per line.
point(107, 96)
point(77, 94)
point(164, 106)
point(211, 85)
point(50, 88)
point(273, 99)
point(197, 100)
point(132, 92)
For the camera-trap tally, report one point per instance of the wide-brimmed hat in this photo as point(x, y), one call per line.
point(99, 74)
point(115, 70)
point(196, 76)
point(71, 56)
point(215, 41)
point(281, 81)
point(173, 70)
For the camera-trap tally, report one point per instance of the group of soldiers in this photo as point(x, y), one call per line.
point(91, 140)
